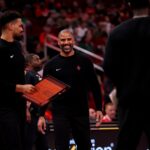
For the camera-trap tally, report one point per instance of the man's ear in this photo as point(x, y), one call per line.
point(9, 26)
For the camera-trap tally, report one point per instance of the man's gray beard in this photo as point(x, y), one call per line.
point(19, 38)
point(67, 51)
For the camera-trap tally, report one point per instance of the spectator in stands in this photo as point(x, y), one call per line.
point(110, 112)
point(3, 5)
point(92, 115)
point(86, 41)
point(12, 104)
point(126, 63)
point(80, 31)
point(71, 110)
point(33, 136)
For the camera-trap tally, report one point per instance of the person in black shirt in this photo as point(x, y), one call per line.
point(12, 104)
point(33, 136)
point(126, 64)
point(70, 111)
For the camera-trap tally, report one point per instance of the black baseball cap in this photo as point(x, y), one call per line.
point(8, 16)
point(138, 4)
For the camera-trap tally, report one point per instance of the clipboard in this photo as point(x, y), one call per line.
point(46, 90)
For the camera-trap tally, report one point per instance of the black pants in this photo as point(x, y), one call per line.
point(33, 137)
point(11, 132)
point(79, 127)
point(133, 122)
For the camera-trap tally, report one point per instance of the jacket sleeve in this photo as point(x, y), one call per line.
point(94, 85)
point(113, 60)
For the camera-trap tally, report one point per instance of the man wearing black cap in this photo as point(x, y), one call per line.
point(12, 105)
point(126, 63)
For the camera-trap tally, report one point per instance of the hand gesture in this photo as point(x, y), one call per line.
point(41, 125)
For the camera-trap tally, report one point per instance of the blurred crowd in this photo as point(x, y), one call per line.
point(90, 22)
